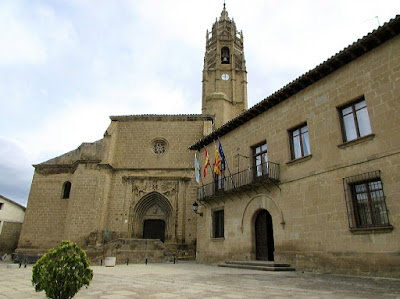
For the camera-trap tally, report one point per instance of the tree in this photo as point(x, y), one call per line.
point(62, 272)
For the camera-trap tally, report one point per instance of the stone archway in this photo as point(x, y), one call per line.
point(152, 218)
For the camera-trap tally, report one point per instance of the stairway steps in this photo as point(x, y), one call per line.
point(258, 265)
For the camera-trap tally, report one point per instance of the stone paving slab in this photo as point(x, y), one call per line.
point(190, 280)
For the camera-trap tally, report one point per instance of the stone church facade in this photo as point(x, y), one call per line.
point(311, 177)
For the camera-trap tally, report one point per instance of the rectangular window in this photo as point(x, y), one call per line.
point(1, 205)
point(260, 160)
point(218, 223)
point(355, 120)
point(299, 142)
point(365, 200)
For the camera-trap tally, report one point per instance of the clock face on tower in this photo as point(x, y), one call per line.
point(225, 77)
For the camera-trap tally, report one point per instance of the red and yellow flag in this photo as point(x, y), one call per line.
point(206, 163)
point(217, 162)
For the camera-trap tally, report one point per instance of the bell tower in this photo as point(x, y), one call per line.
point(224, 72)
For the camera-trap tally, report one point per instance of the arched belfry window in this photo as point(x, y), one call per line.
point(225, 57)
point(66, 189)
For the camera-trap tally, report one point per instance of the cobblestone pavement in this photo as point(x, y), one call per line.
point(190, 280)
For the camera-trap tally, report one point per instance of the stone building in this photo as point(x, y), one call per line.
point(137, 182)
point(312, 173)
point(11, 218)
point(311, 177)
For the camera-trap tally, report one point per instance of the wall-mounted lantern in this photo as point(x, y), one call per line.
point(195, 208)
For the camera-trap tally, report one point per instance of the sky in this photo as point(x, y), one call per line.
point(66, 66)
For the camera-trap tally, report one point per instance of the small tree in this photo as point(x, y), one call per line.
point(62, 272)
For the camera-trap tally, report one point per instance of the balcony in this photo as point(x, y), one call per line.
point(246, 179)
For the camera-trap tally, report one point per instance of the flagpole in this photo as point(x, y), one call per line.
point(227, 166)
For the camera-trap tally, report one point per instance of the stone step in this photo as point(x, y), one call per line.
point(258, 265)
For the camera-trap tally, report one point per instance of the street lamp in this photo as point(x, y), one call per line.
point(195, 207)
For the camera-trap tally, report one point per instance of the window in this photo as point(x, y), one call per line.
point(159, 147)
point(365, 199)
point(299, 142)
point(1, 205)
point(225, 59)
point(260, 158)
point(218, 223)
point(355, 120)
point(66, 189)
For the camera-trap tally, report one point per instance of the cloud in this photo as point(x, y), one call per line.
point(66, 66)
point(15, 170)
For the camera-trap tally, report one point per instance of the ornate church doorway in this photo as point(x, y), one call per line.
point(264, 236)
point(154, 229)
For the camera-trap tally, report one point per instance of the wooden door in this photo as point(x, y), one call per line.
point(154, 229)
point(264, 236)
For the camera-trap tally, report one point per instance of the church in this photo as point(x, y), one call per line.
point(307, 177)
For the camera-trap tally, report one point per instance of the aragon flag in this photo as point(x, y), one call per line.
point(217, 162)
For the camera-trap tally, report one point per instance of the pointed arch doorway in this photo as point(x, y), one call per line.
point(264, 236)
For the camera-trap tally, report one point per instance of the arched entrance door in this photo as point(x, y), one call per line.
point(154, 229)
point(264, 234)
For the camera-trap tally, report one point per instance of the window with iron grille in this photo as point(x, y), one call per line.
point(260, 160)
point(365, 200)
point(218, 223)
point(299, 142)
point(355, 120)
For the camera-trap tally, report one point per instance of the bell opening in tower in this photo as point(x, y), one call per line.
point(225, 55)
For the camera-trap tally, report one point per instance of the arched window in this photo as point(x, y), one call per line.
point(225, 57)
point(66, 189)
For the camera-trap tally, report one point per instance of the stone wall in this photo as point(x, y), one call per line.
point(108, 182)
point(308, 207)
point(9, 236)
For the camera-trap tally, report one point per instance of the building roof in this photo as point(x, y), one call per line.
point(347, 55)
point(13, 202)
point(160, 117)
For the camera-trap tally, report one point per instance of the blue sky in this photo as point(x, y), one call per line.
point(66, 66)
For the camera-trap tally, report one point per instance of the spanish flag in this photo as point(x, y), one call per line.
point(206, 163)
point(217, 163)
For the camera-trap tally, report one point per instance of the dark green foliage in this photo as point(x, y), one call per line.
point(62, 272)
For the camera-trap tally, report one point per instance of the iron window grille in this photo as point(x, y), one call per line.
point(365, 201)
point(218, 224)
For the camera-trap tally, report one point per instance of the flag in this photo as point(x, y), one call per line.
point(217, 162)
point(221, 152)
point(206, 163)
point(196, 168)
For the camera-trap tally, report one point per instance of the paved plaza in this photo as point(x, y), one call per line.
point(190, 280)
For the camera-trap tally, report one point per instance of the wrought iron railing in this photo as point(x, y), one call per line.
point(268, 171)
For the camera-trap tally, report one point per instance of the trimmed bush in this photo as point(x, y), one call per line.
point(62, 272)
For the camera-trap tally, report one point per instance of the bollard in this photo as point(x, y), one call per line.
point(146, 260)
point(20, 264)
point(101, 262)
point(127, 261)
point(174, 260)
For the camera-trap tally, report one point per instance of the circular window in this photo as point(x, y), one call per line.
point(159, 147)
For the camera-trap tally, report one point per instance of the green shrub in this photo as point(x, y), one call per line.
point(62, 272)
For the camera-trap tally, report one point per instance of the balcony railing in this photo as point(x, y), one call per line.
point(268, 171)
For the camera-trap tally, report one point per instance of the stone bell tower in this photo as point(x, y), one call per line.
point(224, 73)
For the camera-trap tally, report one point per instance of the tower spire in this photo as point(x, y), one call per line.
point(224, 72)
